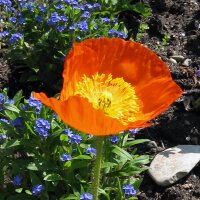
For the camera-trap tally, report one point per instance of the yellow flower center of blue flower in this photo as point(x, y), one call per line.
point(115, 97)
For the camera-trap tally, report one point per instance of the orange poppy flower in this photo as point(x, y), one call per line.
point(112, 85)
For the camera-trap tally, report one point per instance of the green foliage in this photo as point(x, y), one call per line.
point(166, 39)
point(39, 160)
point(142, 31)
point(117, 6)
point(47, 36)
point(38, 38)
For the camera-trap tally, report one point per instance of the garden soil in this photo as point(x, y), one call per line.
point(174, 35)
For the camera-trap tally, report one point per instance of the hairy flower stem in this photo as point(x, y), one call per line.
point(97, 167)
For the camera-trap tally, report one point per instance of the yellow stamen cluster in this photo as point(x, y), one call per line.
point(115, 97)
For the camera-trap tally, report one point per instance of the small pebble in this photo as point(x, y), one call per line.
point(152, 144)
point(187, 186)
point(178, 58)
point(187, 62)
point(172, 61)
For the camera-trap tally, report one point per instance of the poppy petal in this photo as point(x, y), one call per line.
point(79, 114)
point(157, 96)
point(130, 60)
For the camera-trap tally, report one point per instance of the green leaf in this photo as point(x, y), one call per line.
point(12, 143)
point(18, 190)
point(139, 141)
point(28, 192)
point(41, 166)
point(82, 157)
point(53, 177)
point(11, 107)
point(122, 153)
point(114, 2)
point(101, 191)
point(141, 160)
point(70, 197)
point(141, 8)
point(108, 164)
point(34, 178)
point(18, 96)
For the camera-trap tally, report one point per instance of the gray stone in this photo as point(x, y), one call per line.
point(174, 163)
point(152, 144)
point(178, 58)
point(186, 62)
point(172, 61)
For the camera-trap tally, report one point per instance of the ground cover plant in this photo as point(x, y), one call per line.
point(42, 157)
point(40, 33)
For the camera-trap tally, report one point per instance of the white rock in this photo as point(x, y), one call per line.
point(178, 58)
point(174, 163)
point(172, 61)
point(186, 62)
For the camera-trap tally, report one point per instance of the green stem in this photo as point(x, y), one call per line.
point(97, 167)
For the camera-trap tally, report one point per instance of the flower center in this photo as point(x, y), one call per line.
point(104, 100)
point(115, 97)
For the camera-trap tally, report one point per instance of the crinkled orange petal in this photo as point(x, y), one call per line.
point(130, 60)
point(79, 114)
point(137, 65)
point(156, 97)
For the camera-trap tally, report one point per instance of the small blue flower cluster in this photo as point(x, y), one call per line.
point(18, 123)
point(70, 2)
point(5, 121)
point(73, 138)
point(55, 18)
point(21, 20)
point(133, 131)
point(4, 34)
point(66, 157)
point(15, 37)
point(42, 127)
point(9, 101)
point(29, 6)
point(17, 181)
point(129, 190)
point(115, 33)
point(114, 139)
point(1, 100)
point(42, 8)
point(7, 3)
point(105, 20)
point(13, 20)
point(91, 150)
point(35, 104)
point(198, 73)
point(37, 189)
point(86, 196)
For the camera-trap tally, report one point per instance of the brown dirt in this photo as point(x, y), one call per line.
point(180, 124)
